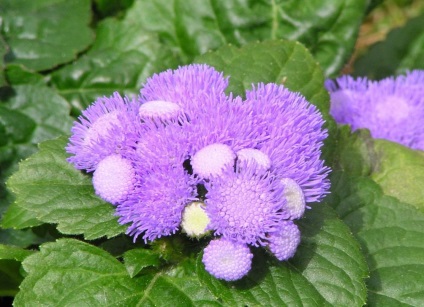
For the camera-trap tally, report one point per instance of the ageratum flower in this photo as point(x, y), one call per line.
point(187, 156)
point(190, 87)
point(211, 116)
point(392, 108)
point(155, 208)
point(295, 134)
point(102, 130)
point(245, 205)
point(227, 260)
point(163, 187)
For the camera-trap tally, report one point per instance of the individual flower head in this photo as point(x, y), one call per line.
point(295, 136)
point(155, 208)
point(163, 187)
point(161, 145)
point(188, 86)
point(226, 259)
point(284, 242)
point(391, 108)
point(244, 205)
point(114, 179)
point(102, 130)
point(211, 115)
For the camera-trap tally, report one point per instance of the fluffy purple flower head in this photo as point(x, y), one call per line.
point(295, 134)
point(102, 130)
point(226, 259)
point(163, 187)
point(188, 86)
point(284, 242)
point(244, 205)
point(226, 121)
point(211, 115)
point(155, 208)
point(114, 179)
point(392, 108)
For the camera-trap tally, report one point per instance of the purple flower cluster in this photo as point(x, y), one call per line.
point(186, 156)
point(392, 108)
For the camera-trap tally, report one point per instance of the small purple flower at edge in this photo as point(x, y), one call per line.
point(392, 108)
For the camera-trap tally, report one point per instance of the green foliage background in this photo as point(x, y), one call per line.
point(61, 245)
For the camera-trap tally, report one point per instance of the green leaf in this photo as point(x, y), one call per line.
point(69, 272)
point(45, 33)
point(121, 58)
point(40, 106)
point(354, 152)
point(328, 261)
point(14, 253)
point(391, 235)
point(281, 62)
point(328, 28)
point(400, 51)
point(400, 172)
point(137, 259)
point(30, 112)
point(3, 51)
point(51, 190)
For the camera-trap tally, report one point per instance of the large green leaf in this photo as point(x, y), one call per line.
point(45, 33)
point(390, 231)
point(122, 57)
point(328, 269)
point(328, 28)
point(400, 51)
point(50, 190)
point(400, 172)
point(391, 235)
point(72, 273)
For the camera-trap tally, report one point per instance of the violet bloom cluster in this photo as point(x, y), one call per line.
point(186, 156)
point(392, 108)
